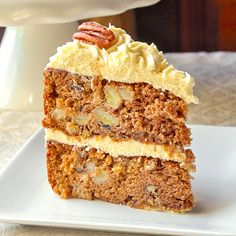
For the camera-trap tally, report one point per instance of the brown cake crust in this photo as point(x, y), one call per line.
point(153, 116)
point(139, 182)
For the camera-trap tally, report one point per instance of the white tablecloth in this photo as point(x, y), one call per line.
point(215, 76)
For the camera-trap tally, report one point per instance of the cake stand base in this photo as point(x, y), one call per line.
point(24, 52)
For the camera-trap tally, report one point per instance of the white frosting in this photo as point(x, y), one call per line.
point(120, 38)
point(128, 148)
point(125, 61)
point(79, 58)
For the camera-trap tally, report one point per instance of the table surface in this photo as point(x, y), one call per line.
point(215, 77)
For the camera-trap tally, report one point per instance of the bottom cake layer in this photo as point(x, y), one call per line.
point(139, 182)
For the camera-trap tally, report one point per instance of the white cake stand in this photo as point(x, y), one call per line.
point(34, 29)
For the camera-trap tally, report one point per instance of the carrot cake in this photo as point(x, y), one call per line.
point(114, 118)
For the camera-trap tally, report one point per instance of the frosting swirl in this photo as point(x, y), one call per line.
point(121, 38)
point(138, 56)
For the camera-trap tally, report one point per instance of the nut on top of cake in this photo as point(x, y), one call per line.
point(114, 118)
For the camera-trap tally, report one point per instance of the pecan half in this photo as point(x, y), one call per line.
point(96, 34)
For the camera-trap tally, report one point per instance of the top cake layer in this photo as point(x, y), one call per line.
point(125, 61)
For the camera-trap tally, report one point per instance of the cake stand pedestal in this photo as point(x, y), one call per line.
point(24, 53)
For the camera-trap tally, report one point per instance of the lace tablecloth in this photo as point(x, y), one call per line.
point(215, 76)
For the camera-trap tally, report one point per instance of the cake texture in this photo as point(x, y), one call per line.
point(114, 118)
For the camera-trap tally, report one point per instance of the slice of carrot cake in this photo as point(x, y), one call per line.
point(114, 117)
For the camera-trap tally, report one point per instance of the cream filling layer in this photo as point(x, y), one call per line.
point(126, 148)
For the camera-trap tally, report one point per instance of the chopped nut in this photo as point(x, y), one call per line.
point(90, 167)
point(150, 188)
point(150, 166)
point(71, 128)
point(126, 93)
point(101, 176)
point(81, 119)
point(58, 114)
point(112, 96)
point(101, 115)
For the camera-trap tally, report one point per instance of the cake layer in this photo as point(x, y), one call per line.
point(128, 148)
point(86, 106)
point(139, 182)
point(125, 61)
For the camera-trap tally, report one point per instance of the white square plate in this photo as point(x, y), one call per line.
point(26, 198)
